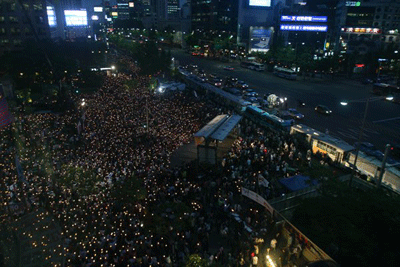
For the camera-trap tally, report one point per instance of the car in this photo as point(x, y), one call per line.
point(248, 90)
point(217, 82)
point(251, 93)
point(295, 114)
point(242, 84)
point(234, 91)
point(367, 81)
point(285, 115)
point(230, 68)
point(251, 99)
point(323, 110)
point(301, 103)
point(213, 75)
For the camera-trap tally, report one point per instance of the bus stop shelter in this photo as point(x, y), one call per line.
point(212, 134)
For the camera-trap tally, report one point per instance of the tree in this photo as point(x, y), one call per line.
point(356, 222)
point(195, 260)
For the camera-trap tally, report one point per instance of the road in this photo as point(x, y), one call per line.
point(383, 118)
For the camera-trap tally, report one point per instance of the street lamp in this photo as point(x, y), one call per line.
point(369, 99)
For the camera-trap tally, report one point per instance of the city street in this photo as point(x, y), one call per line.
point(382, 123)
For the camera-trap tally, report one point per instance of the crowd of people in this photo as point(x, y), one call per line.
point(76, 165)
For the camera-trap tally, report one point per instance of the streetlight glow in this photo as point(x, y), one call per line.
point(389, 97)
point(344, 103)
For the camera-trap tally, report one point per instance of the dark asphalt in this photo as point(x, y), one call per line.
point(383, 119)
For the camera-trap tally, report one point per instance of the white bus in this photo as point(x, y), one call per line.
point(252, 65)
point(285, 73)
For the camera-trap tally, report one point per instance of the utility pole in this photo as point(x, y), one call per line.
point(382, 171)
point(359, 141)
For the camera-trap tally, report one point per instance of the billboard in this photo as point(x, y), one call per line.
point(260, 39)
point(260, 3)
point(76, 17)
point(304, 28)
point(51, 16)
point(304, 18)
point(362, 30)
point(98, 9)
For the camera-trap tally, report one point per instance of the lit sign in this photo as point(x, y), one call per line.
point(260, 39)
point(114, 14)
point(98, 9)
point(305, 28)
point(362, 30)
point(305, 18)
point(95, 17)
point(353, 3)
point(51, 16)
point(76, 17)
point(131, 4)
point(260, 3)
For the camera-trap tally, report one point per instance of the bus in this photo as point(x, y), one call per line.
point(266, 119)
point(285, 73)
point(385, 89)
point(336, 149)
point(252, 65)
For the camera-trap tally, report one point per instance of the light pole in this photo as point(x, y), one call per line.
point(369, 99)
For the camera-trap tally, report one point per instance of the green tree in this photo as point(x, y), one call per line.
point(196, 260)
point(355, 222)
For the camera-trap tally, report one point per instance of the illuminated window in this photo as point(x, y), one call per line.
point(13, 19)
point(17, 42)
point(38, 7)
point(26, 6)
point(2, 31)
point(15, 30)
point(2, 18)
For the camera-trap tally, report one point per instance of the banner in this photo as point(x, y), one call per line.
point(257, 198)
point(262, 181)
point(260, 39)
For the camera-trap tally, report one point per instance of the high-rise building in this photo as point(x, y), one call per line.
point(375, 21)
point(123, 10)
point(215, 15)
point(173, 9)
point(19, 23)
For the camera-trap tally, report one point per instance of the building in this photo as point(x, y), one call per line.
point(19, 24)
point(173, 9)
point(310, 25)
point(215, 15)
point(375, 21)
point(241, 18)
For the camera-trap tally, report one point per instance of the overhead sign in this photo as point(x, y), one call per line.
point(304, 28)
point(260, 3)
point(362, 30)
point(305, 18)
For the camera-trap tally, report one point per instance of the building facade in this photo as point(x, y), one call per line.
point(369, 21)
point(19, 24)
